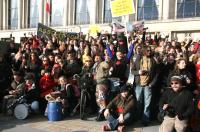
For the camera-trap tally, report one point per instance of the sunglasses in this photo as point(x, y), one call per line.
point(174, 83)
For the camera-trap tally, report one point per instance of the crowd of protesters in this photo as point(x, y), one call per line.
point(42, 66)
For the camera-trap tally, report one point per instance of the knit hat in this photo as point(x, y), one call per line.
point(124, 88)
point(176, 78)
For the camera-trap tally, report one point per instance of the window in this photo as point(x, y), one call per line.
point(148, 9)
point(82, 12)
point(57, 12)
point(13, 14)
point(33, 13)
point(107, 11)
point(188, 8)
point(108, 14)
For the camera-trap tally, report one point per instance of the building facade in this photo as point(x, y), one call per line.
point(176, 18)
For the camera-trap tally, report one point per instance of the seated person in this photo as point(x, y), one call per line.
point(46, 85)
point(31, 92)
point(177, 102)
point(63, 93)
point(15, 91)
point(119, 112)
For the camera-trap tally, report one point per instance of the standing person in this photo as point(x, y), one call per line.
point(119, 111)
point(182, 71)
point(144, 70)
point(34, 65)
point(102, 86)
point(71, 65)
point(177, 102)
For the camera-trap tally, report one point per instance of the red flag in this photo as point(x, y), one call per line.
point(47, 7)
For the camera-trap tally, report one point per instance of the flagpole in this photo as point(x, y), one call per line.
point(126, 31)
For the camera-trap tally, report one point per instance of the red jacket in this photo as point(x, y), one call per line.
point(46, 85)
point(197, 73)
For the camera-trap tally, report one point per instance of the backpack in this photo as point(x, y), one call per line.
point(76, 90)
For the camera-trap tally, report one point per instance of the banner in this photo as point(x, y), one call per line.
point(122, 7)
point(46, 32)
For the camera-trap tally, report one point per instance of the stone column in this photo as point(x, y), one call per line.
point(25, 13)
point(160, 10)
point(65, 13)
point(92, 11)
point(1, 14)
point(165, 8)
point(41, 11)
point(71, 12)
point(20, 6)
point(5, 14)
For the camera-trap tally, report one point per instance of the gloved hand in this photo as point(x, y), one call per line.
point(180, 117)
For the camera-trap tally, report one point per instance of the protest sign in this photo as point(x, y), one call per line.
point(47, 32)
point(122, 7)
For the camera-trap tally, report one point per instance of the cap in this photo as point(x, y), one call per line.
point(176, 78)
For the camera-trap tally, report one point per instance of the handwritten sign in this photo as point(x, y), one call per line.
point(122, 7)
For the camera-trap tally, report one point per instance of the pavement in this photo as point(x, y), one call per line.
point(39, 123)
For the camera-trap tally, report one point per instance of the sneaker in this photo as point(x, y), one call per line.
point(106, 127)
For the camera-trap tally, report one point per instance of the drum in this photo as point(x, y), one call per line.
point(54, 111)
point(114, 84)
point(21, 111)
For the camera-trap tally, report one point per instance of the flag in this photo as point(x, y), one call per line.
point(47, 7)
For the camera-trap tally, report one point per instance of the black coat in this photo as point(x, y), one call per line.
point(181, 102)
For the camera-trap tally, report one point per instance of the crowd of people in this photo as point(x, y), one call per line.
point(163, 75)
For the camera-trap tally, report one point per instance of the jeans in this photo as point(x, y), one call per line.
point(143, 96)
point(114, 122)
point(35, 106)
